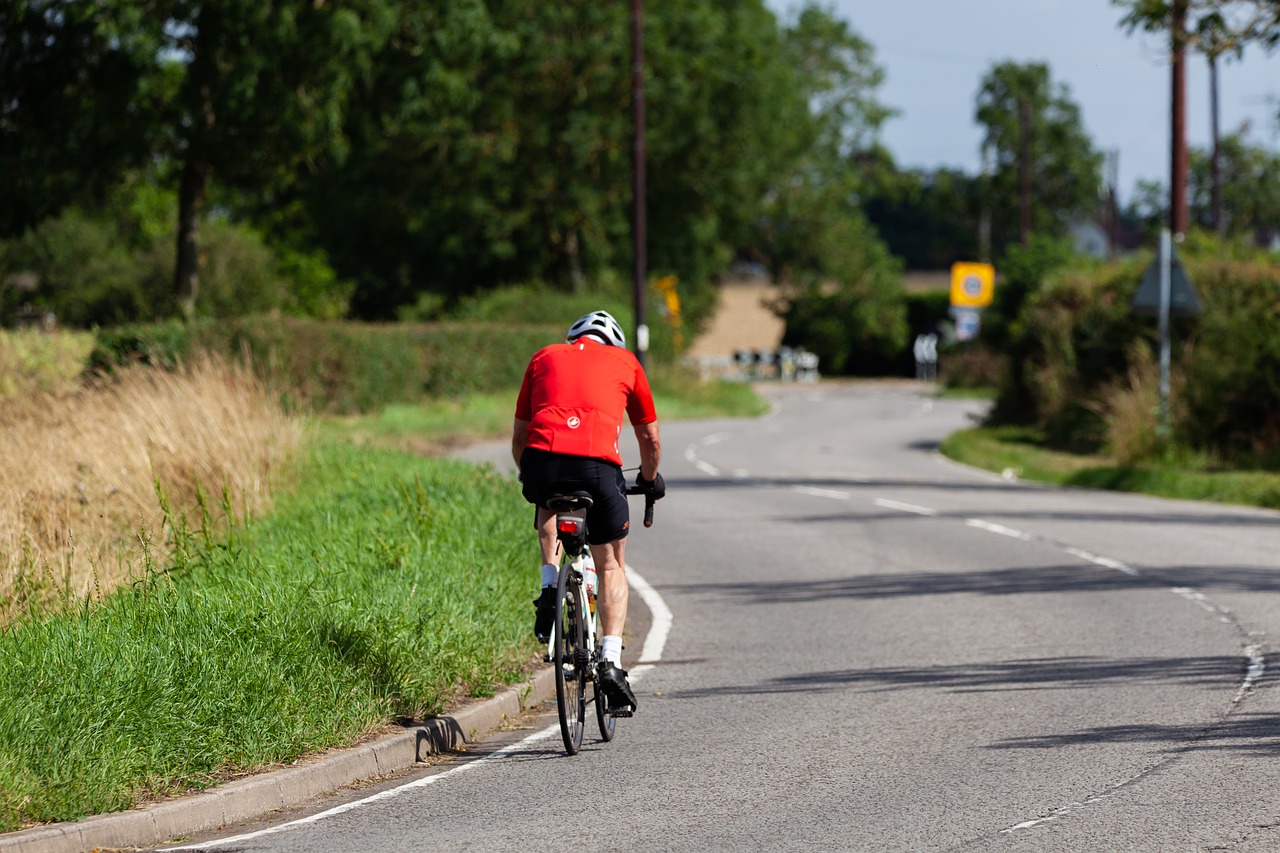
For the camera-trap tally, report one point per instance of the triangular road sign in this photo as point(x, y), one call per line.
point(1183, 301)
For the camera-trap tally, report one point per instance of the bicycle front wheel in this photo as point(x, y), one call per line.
point(570, 660)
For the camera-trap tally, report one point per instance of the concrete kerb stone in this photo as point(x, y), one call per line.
point(247, 799)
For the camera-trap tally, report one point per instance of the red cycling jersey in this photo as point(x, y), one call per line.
point(573, 397)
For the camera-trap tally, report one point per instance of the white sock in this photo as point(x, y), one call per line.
point(611, 648)
point(550, 574)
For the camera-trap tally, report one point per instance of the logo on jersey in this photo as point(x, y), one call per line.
point(574, 422)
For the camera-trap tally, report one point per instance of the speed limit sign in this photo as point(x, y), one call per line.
point(972, 284)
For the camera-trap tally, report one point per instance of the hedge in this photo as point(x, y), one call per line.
point(342, 367)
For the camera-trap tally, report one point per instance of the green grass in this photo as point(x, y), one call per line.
point(428, 427)
point(679, 394)
point(1021, 451)
point(384, 585)
point(442, 424)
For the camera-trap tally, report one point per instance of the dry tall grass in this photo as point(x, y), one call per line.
point(79, 473)
point(1130, 407)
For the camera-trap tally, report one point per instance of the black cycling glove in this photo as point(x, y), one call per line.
point(656, 488)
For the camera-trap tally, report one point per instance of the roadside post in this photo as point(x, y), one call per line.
point(926, 353)
point(1166, 292)
point(973, 286)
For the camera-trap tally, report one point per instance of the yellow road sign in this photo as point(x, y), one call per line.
point(972, 284)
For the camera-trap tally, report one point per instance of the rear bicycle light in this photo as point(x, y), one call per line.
point(571, 526)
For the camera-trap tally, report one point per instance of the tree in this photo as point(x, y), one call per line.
point(237, 92)
point(492, 146)
point(927, 218)
point(76, 106)
point(1214, 28)
point(1211, 24)
point(1046, 171)
point(846, 301)
point(1249, 188)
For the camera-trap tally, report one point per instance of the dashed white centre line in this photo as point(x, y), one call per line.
point(912, 508)
point(998, 529)
point(1105, 562)
point(821, 493)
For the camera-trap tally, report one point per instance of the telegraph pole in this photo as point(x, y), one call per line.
point(638, 179)
point(1178, 130)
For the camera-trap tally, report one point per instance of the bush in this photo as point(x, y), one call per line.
point(36, 362)
point(343, 367)
point(86, 275)
point(855, 320)
point(116, 266)
point(1076, 346)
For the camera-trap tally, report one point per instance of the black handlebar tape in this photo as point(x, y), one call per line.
point(648, 510)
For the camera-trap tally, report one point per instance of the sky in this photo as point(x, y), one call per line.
point(935, 53)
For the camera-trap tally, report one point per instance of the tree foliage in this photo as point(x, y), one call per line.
point(430, 150)
point(1065, 168)
point(1250, 191)
point(1214, 27)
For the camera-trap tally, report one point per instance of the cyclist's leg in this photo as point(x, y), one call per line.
point(607, 525)
point(612, 678)
point(611, 567)
point(547, 541)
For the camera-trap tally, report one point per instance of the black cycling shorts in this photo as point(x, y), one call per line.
point(545, 473)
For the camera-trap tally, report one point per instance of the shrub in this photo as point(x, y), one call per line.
point(34, 362)
point(342, 367)
point(1076, 345)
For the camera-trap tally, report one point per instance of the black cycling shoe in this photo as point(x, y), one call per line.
point(545, 620)
point(613, 681)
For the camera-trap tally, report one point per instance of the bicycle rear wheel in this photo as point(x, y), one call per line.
point(570, 661)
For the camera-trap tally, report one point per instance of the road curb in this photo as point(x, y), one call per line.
point(254, 797)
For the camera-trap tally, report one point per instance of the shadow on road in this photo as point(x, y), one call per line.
point(1011, 581)
point(1257, 734)
point(1017, 507)
point(989, 676)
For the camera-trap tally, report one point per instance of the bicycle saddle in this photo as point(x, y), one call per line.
point(568, 501)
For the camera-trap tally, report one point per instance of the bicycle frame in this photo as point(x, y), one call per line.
point(576, 565)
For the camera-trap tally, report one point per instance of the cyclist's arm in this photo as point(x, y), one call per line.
point(650, 449)
point(519, 438)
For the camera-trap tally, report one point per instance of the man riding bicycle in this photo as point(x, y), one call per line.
point(567, 425)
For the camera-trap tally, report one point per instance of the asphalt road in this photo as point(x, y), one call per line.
point(874, 649)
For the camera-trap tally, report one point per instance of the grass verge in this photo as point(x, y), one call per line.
point(1021, 452)
point(370, 592)
point(447, 423)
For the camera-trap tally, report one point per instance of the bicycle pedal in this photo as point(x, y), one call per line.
point(626, 711)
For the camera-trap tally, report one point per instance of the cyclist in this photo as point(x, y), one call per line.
point(567, 424)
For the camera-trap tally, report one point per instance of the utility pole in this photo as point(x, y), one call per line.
point(1178, 129)
point(638, 180)
point(1219, 221)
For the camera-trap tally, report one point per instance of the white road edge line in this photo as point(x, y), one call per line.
point(654, 643)
point(656, 640)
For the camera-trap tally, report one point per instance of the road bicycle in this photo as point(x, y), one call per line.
point(574, 647)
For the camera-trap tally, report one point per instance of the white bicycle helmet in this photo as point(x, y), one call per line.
point(601, 326)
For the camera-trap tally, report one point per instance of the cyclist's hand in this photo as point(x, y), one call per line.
point(655, 488)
